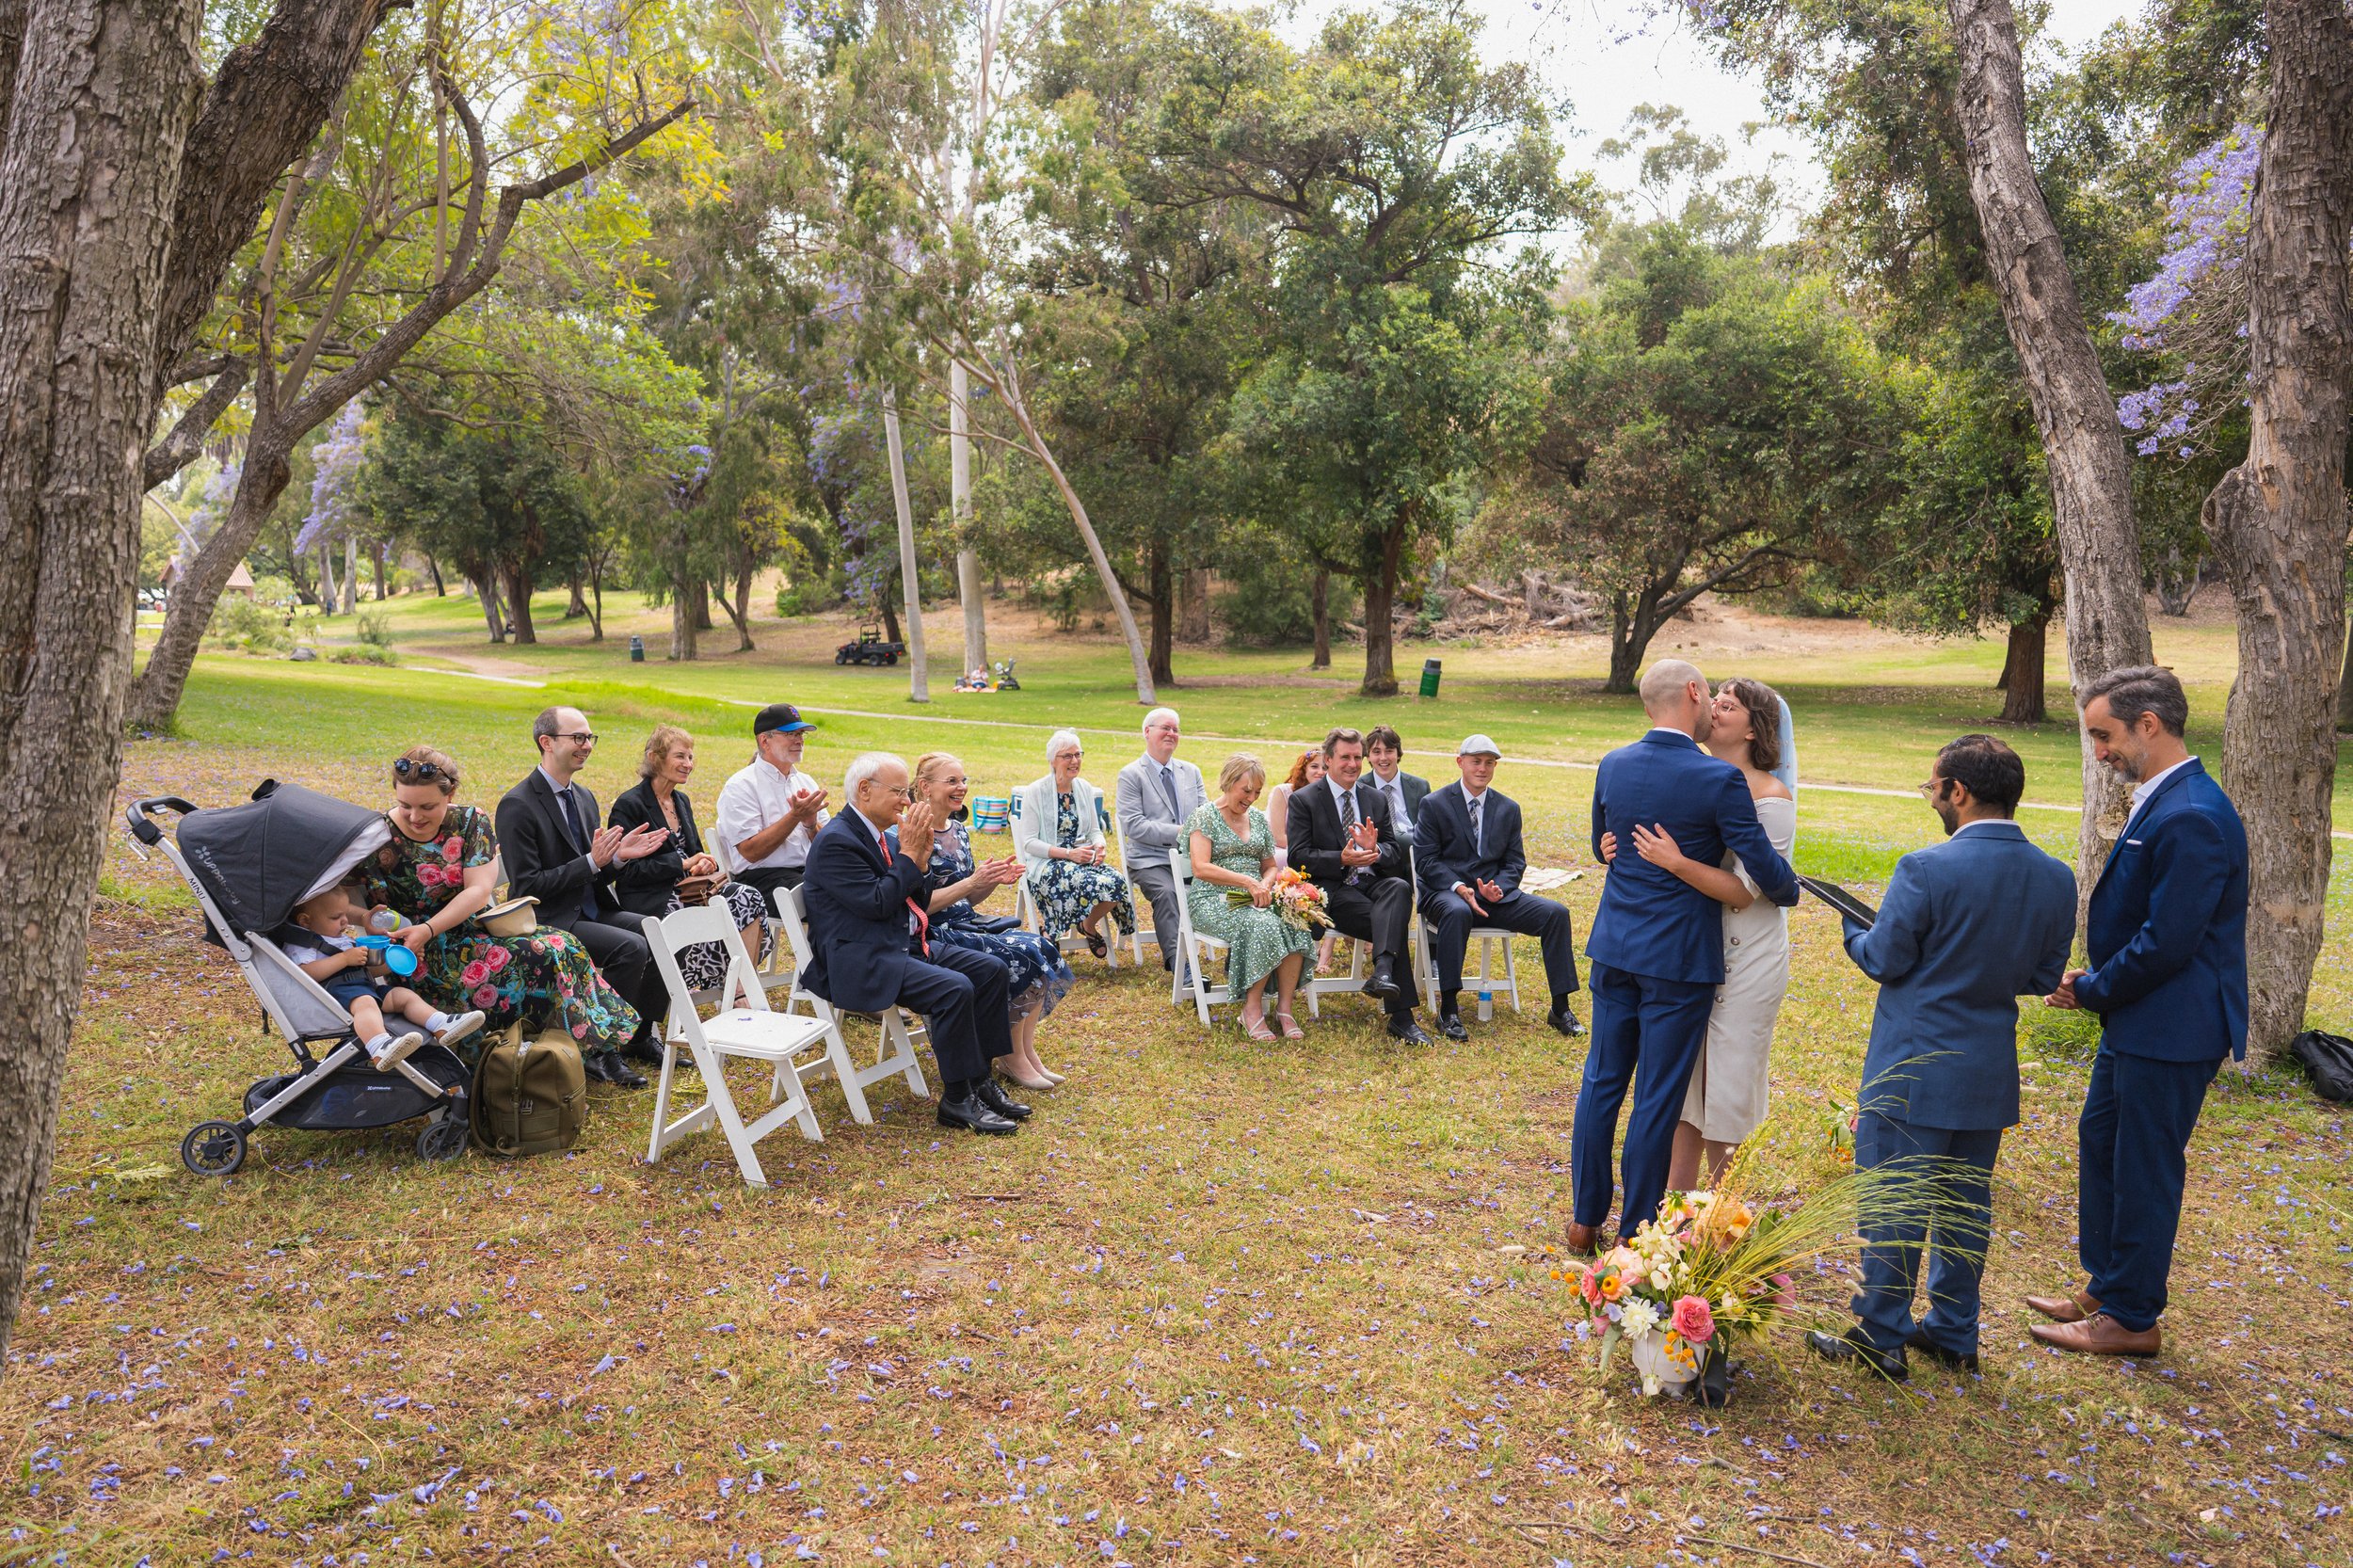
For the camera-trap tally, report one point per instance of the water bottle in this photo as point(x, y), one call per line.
point(385, 921)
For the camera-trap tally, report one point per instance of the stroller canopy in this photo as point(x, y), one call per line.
point(258, 861)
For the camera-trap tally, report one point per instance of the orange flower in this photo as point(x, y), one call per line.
point(1613, 1286)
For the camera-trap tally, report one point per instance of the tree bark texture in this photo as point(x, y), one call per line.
point(577, 603)
point(93, 118)
point(2090, 472)
point(2024, 672)
point(1160, 601)
point(910, 577)
point(2279, 518)
point(351, 574)
point(519, 601)
point(1320, 604)
point(960, 507)
point(1380, 635)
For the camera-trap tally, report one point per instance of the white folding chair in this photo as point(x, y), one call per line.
point(894, 1040)
point(1142, 933)
point(1189, 975)
point(1486, 936)
point(744, 1027)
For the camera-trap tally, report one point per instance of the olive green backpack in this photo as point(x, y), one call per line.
point(529, 1097)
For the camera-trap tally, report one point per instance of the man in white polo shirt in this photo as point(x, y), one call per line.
point(770, 810)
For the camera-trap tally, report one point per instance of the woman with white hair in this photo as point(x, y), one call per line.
point(1058, 828)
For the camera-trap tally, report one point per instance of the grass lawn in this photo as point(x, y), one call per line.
point(1219, 1301)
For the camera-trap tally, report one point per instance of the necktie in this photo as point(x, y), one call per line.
point(580, 842)
point(1348, 827)
point(922, 916)
point(1168, 787)
point(1478, 844)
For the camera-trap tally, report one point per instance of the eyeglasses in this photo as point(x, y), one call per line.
point(408, 767)
point(1927, 791)
point(578, 737)
point(905, 792)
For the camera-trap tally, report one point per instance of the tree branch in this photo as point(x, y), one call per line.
point(177, 450)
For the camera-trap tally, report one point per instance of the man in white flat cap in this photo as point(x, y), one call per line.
point(1468, 852)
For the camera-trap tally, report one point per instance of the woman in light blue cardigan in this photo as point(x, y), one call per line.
point(1058, 831)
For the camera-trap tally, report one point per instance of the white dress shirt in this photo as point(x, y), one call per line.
point(1393, 791)
point(2147, 786)
point(751, 799)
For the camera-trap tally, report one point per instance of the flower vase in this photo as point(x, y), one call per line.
point(1658, 1370)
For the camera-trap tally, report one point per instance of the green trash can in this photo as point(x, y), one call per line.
point(1430, 678)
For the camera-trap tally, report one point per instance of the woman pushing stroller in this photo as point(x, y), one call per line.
point(320, 942)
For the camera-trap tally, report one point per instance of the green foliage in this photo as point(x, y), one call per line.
point(248, 626)
point(363, 653)
point(375, 627)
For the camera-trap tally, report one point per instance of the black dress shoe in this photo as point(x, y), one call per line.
point(966, 1111)
point(592, 1066)
point(641, 1051)
point(620, 1073)
point(1851, 1346)
point(1958, 1361)
point(1403, 1027)
point(1565, 1022)
point(1384, 980)
point(992, 1093)
point(1450, 1025)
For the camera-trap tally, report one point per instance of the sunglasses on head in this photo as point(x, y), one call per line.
point(407, 768)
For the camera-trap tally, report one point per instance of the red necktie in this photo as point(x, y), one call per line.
point(922, 916)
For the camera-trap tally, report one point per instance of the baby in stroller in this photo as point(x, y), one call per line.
point(318, 939)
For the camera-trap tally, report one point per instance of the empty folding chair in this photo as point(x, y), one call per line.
point(1189, 976)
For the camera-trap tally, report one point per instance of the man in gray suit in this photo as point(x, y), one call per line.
point(1158, 793)
point(1969, 926)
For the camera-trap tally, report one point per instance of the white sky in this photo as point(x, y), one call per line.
point(1589, 49)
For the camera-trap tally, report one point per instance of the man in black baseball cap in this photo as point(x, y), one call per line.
point(770, 810)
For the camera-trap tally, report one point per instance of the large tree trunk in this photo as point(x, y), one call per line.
point(578, 604)
point(95, 104)
point(1631, 627)
point(441, 590)
point(2090, 473)
point(1162, 603)
point(329, 596)
point(698, 604)
point(486, 595)
point(738, 607)
point(1319, 605)
point(2024, 672)
point(351, 574)
point(2279, 518)
point(376, 553)
point(156, 697)
point(910, 577)
point(518, 601)
point(683, 642)
point(960, 508)
point(1192, 618)
point(1380, 635)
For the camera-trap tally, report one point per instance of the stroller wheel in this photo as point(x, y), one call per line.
point(442, 1138)
point(213, 1148)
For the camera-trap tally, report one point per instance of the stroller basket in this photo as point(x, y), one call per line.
point(249, 866)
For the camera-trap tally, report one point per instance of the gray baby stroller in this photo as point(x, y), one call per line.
point(248, 867)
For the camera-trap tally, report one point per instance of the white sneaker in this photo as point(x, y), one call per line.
point(398, 1050)
point(461, 1026)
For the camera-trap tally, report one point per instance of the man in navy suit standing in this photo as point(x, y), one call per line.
point(1468, 855)
point(868, 932)
point(2167, 936)
point(1968, 927)
point(1656, 947)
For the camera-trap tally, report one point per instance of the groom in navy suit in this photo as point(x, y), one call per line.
point(2167, 935)
point(1969, 926)
point(1656, 948)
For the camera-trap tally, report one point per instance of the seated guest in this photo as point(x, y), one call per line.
point(868, 932)
point(659, 883)
point(769, 813)
point(1036, 976)
point(1468, 852)
point(557, 854)
point(436, 875)
point(1307, 768)
point(1968, 926)
point(1233, 846)
point(1058, 829)
point(1158, 793)
point(1404, 792)
point(1343, 837)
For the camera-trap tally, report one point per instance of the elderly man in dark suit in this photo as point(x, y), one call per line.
point(868, 932)
point(554, 852)
point(1656, 947)
point(1968, 927)
point(1469, 854)
point(1342, 836)
point(2167, 936)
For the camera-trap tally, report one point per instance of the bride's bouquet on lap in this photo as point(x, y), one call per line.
point(1298, 902)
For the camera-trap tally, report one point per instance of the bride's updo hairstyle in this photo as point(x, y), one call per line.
point(1764, 710)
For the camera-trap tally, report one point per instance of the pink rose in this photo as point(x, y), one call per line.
point(498, 958)
point(453, 849)
point(486, 997)
point(580, 1031)
point(428, 874)
point(474, 973)
point(1692, 1320)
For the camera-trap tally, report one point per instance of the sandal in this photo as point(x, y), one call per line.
point(1257, 1027)
point(1095, 944)
point(1290, 1027)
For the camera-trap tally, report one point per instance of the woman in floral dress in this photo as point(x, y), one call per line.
point(1059, 832)
point(1232, 846)
point(436, 873)
point(1038, 976)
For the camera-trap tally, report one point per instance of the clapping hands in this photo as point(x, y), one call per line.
point(1001, 874)
point(1363, 847)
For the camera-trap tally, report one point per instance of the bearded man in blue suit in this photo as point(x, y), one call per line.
point(1656, 947)
point(2167, 936)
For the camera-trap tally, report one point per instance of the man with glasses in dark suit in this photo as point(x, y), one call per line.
point(554, 852)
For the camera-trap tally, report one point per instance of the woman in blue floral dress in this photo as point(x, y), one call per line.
point(1039, 978)
point(1233, 846)
point(1058, 830)
point(436, 873)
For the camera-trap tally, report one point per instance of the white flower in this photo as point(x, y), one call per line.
point(1650, 1386)
point(1640, 1318)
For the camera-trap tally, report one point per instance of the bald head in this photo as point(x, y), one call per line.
point(1675, 695)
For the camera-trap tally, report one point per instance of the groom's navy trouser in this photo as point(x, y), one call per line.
point(1647, 1032)
point(2133, 1154)
point(1940, 1193)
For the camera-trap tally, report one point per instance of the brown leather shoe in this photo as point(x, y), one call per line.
point(2100, 1334)
point(2071, 1308)
point(1581, 1240)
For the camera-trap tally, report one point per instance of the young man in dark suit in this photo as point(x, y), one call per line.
point(1469, 857)
point(1341, 835)
point(1656, 947)
point(1385, 753)
point(554, 851)
point(869, 926)
point(2167, 936)
point(1968, 927)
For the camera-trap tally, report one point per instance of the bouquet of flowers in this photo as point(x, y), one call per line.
point(1299, 902)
